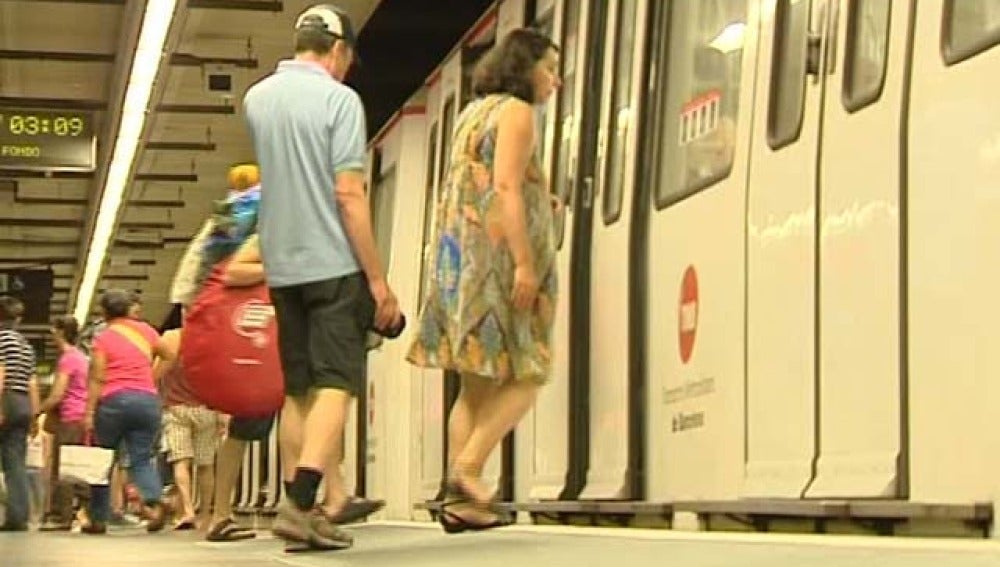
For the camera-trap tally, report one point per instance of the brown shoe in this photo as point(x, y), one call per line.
point(356, 509)
point(291, 523)
point(94, 528)
point(156, 517)
point(308, 527)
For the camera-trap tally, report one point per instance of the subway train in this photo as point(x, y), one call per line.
point(775, 277)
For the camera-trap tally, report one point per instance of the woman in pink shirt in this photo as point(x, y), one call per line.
point(123, 405)
point(69, 394)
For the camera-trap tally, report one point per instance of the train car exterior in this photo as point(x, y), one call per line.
point(774, 255)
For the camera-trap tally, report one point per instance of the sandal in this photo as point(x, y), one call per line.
point(355, 509)
point(455, 487)
point(455, 524)
point(229, 530)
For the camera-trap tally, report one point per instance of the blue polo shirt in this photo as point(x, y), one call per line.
point(306, 127)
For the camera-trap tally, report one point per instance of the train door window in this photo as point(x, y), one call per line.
point(788, 72)
point(700, 86)
point(430, 204)
point(544, 25)
point(565, 176)
point(468, 68)
point(471, 55)
point(621, 110)
point(447, 124)
point(383, 203)
point(867, 52)
point(970, 27)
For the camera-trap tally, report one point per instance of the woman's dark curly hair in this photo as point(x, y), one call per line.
point(508, 67)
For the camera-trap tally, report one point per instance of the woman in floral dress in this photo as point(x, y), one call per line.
point(491, 290)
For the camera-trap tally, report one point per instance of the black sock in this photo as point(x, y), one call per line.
point(304, 487)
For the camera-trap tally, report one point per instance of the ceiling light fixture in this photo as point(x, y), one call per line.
point(145, 66)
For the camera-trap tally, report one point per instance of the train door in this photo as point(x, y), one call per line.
point(689, 238)
point(861, 452)
point(432, 416)
point(385, 410)
point(782, 251)
point(823, 344)
point(953, 242)
point(548, 438)
point(543, 434)
point(451, 79)
point(608, 197)
point(383, 362)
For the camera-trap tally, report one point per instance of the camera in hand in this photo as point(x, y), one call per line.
point(395, 331)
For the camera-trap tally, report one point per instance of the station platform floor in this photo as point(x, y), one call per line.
point(385, 544)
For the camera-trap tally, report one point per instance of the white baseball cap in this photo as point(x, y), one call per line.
point(329, 19)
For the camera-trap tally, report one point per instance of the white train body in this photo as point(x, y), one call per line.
point(776, 267)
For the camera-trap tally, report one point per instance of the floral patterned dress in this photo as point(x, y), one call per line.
point(467, 321)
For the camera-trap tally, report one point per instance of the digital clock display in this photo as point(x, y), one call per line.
point(34, 125)
point(46, 140)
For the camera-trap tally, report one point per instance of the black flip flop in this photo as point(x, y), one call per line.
point(455, 524)
point(466, 497)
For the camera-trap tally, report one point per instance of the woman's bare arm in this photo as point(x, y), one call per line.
point(56, 394)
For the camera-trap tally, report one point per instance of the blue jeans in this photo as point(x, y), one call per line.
point(13, 452)
point(132, 417)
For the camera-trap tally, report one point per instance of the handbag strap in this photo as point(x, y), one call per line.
point(134, 337)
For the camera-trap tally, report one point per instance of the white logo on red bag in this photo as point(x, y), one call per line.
point(250, 320)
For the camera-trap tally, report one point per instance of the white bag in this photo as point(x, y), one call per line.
point(89, 465)
point(34, 458)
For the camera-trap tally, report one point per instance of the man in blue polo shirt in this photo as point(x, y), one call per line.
point(323, 270)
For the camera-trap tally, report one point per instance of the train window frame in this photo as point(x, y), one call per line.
point(448, 119)
point(611, 214)
point(779, 62)
point(949, 52)
point(430, 206)
point(855, 99)
point(659, 92)
point(377, 199)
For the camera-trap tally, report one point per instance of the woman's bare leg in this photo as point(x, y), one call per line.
point(495, 418)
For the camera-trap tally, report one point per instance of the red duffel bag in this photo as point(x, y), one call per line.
point(229, 349)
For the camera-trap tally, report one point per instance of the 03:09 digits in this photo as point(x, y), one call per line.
point(30, 125)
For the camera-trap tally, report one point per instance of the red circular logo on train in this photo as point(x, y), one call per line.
point(687, 313)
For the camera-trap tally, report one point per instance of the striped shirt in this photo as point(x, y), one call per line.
point(18, 361)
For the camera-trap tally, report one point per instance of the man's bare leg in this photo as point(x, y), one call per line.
point(322, 432)
point(325, 412)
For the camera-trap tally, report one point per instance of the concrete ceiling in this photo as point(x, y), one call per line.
point(75, 55)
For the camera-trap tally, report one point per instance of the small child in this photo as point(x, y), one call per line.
point(35, 465)
point(234, 218)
